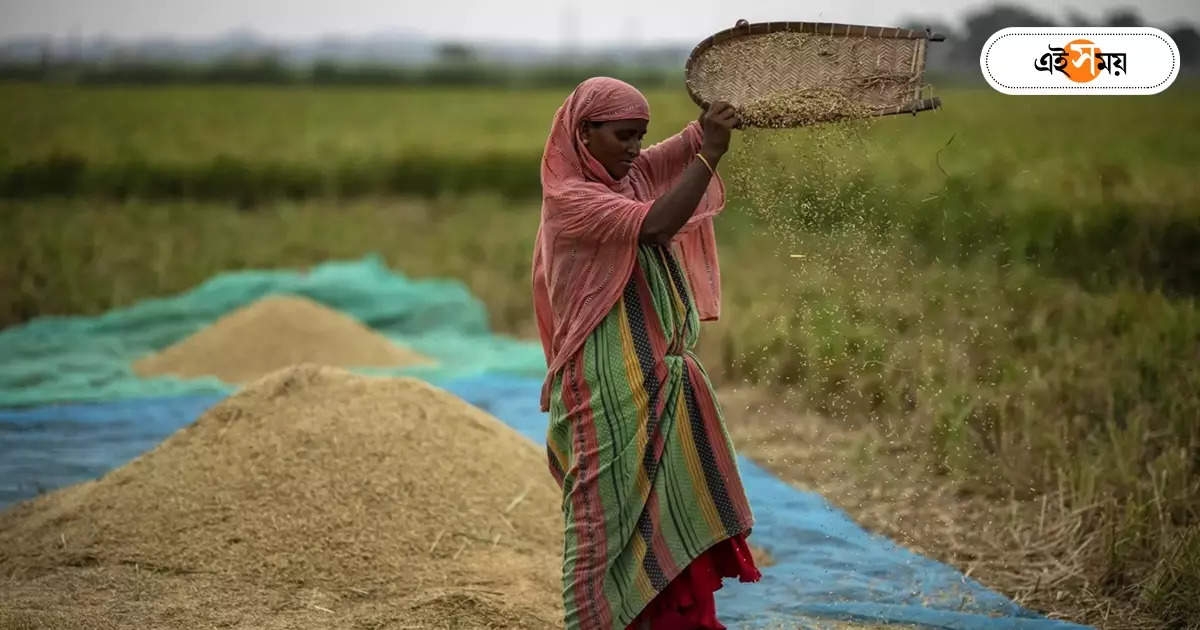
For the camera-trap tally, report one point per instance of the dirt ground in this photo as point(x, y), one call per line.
point(1015, 547)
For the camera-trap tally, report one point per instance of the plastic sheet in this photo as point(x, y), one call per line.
point(64, 359)
point(826, 566)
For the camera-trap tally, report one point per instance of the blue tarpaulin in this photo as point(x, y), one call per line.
point(96, 416)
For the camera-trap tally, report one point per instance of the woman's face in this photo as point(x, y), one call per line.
point(615, 143)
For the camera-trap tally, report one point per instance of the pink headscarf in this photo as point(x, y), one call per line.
point(587, 241)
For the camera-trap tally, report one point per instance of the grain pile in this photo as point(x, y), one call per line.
point(271, 334)
point(313, 498)
point(798, 108)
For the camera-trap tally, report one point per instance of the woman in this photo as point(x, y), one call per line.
point(624, 269)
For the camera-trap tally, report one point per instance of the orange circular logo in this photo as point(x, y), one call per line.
point(1083, 61)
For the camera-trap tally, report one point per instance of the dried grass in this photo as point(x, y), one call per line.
point(1036, 551)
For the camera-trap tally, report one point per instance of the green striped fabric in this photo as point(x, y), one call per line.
point(637, 443)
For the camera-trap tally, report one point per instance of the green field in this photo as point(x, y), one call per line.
point(1103, 191)
point(1006, 287)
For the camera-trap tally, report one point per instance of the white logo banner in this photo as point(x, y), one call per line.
point(1066, 60)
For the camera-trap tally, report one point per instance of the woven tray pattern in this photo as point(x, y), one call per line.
point(832, 70)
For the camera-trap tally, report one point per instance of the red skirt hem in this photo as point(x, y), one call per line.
point(687, 603)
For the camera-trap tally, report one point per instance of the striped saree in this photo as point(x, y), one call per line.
point(637, 443)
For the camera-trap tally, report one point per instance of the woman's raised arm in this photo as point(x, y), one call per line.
point(672, 210)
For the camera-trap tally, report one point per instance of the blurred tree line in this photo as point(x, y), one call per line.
point(459, 64)
point(454, 64)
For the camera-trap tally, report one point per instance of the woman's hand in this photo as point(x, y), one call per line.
point(717, 122)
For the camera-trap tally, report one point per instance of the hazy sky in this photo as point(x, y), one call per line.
point(546, 21)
